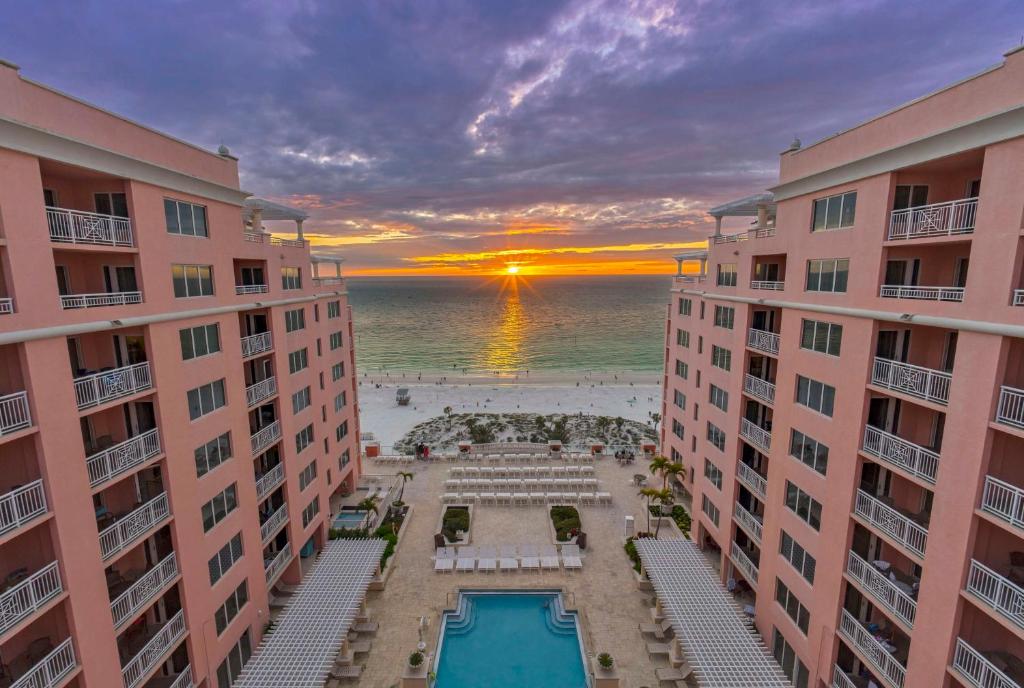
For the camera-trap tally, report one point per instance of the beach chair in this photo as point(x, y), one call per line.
point(469, 497)
point(466, 559)
point(503, 497)
point(508, 560)
point(487, 558)
point(537, 497)
point(553, 497)
point(673, 675)
point(587, 498)
point(450, 497)
point(344, 673)
point(604, 498)
point(487, 498)
point(529, 558)
point(368, 627)
point(655, 649)
point(521, 498)
point(548, 557)
point(570, 497)
point(660, 630)
point(571, 558)
point(359, 647)
point(443, 562)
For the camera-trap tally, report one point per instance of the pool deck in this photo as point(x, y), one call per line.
point(604, 592)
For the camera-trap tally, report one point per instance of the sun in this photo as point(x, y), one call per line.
point(512, 269)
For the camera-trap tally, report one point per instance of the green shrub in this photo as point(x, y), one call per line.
point(633, 555)
point(682, 519)
point(454, 520)
point(565, 519)
point(415, 659)
point(605, 660)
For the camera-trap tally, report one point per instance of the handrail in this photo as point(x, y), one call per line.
point(265, 437)
point(21, 505)
point(14, 413)
point(133, 526)
point(143, 590)
point(269, 480)
point(741, 559)
point(278, 563)
point(269, 527)
point(6, 306)
point(122, 457)
point(241, 289)
point(891, 522)
point(184, 679)
point(891, 670)
point(98, 388)
point(999, 592)
point(98, 299)
point(755, 233)
point(752, 479)
point(153, 652)
point(912, 458)
point(749, 522)
point(79, 227)
point(936, 219)
point(897, 291)
point(756, 434)
point(256, 343)
point(1010, 410)
point(19, 602)
point(261, 390)
point(769, 285)
point(762, 389)
point(763, 340)
point(917, 381)
point(51, 669)
point(977, 669)
point(1003, 500)
point(882, 589)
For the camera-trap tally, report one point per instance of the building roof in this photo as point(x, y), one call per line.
point(302, 648)
point(746, 206)
point(723, 651)
point(271, 210)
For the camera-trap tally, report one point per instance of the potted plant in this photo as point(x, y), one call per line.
point(416, 659)
point(606, 661)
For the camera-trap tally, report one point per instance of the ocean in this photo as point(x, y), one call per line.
point(504, 325)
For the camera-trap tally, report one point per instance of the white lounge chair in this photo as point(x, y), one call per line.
point(487, 558)
point(508, 560)
point(672, 675)
point(548, 557)
point(343, 673)
point(604, 497)
point(537, 497)
point(528, 557)
point(443, 562)
point(466, 560)
point(660, 630)
point(571, 557)
point(521, 498)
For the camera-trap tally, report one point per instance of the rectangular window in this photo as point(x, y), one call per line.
point(803, 505)
point(828, 274)
point(712, 473)
point(301, 399)
point(677, 428)
point(797, 556)
point(721, 357)
point(682, 369)
point(719, 397)
point(291, 278)
point(192, 280)
point(834, 212)
point(223, 560)
point(334, 341)
point(212, 454)
point(339, 401)
point(303, 438)
point(206, 399)
point(295, 320)
point(185, 218)
point(232, 605)
point(679, 399)
point(682, 338)
point(307, 475)
point(341, 431)
point(337, 371)
point(716, 437)
point(685, 306)
point(298, 360)
point(726, 275)
point(794, 609)
point(815, 395)
point(218, 508)
point(724, 316)
point(199, 341)
point(790, 663)
point(709, 508)
point(310, 512)
point(232, 665)
point(333, 309)
point(344, 459)
point(808, 450)
point(820, 336)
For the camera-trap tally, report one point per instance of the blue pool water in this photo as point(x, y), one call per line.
point(501, 640)
point(349, 519)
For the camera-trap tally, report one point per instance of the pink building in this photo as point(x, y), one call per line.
point(177, 402)
point(848, 396)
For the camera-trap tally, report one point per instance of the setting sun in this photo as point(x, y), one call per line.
point(512, 269)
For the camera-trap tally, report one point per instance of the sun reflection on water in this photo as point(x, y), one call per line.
point(503, 352)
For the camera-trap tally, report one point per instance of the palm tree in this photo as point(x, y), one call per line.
point(673, 469)
point(405, 476)
point(656, 418)
point(448, 415)
point(662, 498)
point(648, 493)
point(658, 464)
point(369, 505)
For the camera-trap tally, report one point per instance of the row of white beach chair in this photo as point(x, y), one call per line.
point(523, 458)
point(520, 484)
point(508, 558)
point(407, 459)
point(527, 498)
point(519, 471)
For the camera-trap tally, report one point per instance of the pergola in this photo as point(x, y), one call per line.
point(256, 210)
point(318, 258)
point(716, 640)
point(761, 206)
point(303, 646)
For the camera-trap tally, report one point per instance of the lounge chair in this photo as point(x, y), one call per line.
point(442, 560)
point(676, 676)
point(466, 559)
point(548, 557)
point(343, 673)
point(508, 560)
point(487, 559)
point(659, 630)
point(659, 649)
point(360, 647)
point(366, 627)
point(571, 558)
point(528, 557)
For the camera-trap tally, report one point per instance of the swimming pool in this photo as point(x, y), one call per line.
point(350, 519)
point(502, 639)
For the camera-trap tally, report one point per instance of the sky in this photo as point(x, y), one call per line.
point(471, 137)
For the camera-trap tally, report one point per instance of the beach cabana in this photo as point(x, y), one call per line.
point(402, 396)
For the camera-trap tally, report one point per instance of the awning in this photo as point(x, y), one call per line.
point(743, 207)
point(272, 211)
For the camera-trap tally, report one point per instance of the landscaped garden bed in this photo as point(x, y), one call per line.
point(455, 524)
point(566, 524)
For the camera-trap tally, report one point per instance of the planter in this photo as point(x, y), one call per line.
point(555, 446)
point(669, 529)
point(604, 678)
point(554, 534)
point(415, 677)
point(597, 448)
point(381, 580)
point(372, 450)
point(466, 535)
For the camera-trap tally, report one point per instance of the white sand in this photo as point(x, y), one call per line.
point(597, 395)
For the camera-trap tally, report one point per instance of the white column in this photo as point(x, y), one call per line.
point(337, 268)
point(257, 220)
point(298, 230)
point(718, 226)
point(316, 269)
point(762, 216)
point(679, 267)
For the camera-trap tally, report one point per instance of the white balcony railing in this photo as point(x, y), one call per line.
point(51, 669)
point(274, 523)
point(14, 413)
point(19, 603)
point(1003, 500)
point(241, 289)
point(912, 458)
point(77, 227)
point(296, 243)
point(184, 679)
point(758, 436)
point(743, 563)
point(996, 591)
point(750, 523)
point(115, 298)
point(265, 437)
point(154, 652)
point(891, 522)
point(256, 343)
point(840, 679)
point(755, 233)
point(278, 563)
point(767, 285)
point(752, 479)
point(979, 671)
point(762, 340)
point(873, 651)
point(134, 526)
point(1011, 407)
point(144, 589)
point(122, 457)
point(255, 237)
point(937, 219)
point(269, 480)
point(762, 389)
point(99, 388)
point(892, 291)
point(328, 281)
point(883, 590)
point(264, 389)
point(21, 505)
point(1018, 298)
point(6, 306)
point(925, 383)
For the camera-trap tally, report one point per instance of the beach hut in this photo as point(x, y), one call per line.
point(402, 396)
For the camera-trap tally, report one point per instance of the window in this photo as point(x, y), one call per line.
point(834, 212)
point(682, 338)
point(185, 218)
point(212, 454)
point(218, 508)
point(307, 475)
point(803, 505)
point(815, 395)
point(298, 360)
point(232, 605)
point(716, 436)
point(295, 320)
point(796, 611)
point(719, 397)
point(726, 275)
point(808, 450)
point(337, 371)
point(720, 357)
point(310, 512)
point(791, 664)
point(232, 665)
point(724, 316)
point(192, 280)
point(206, 399)
point(291, 278)
point(199, 341)
point(344, 459)
point(223, 560)
point(303, 438)
point(679, 399)
point(339, 401)
point(682, 370)
point(709, 508)
point(828, 274)
point(341, 431)
point(685, 306)
point(712, 473)
point(301, 399)
point(333, 309)
point(797, 556)
point(677, 428)
point(823, 337)
point(334, 341)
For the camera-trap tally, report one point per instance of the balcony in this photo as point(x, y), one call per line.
point(912, 458)
point(110, 463)
point(6, 306)
point(116, 298)
point(752, 479)
point(264, 389)
point(882, 589)
point(978, 670)
point(767, 285)
point(1010, 410)
point(328, 281)
point(154, 652)
point(750, 523)
point(256, 343)
point(872, 650)
point(1001, 499)
point(273, 524)
point(755, 233)
point(14, 413)
point(891, 522)
point(1018, 299)
point(924, 383)
point(99, 388)
point(183, 679)
point(144, 590)
point(21, 505)
point(242, 289)
point(935, 220)
point(51, 670)
point(996, 592)
point(743, 563)
point(762, 340)
point(77, 227)
point(756, 387)
point(756, 435)
point(265, 437)
point(269, 480)
point(134, 526)
point(890, 291)
point(275, 566)
point(841, 679)
point(30, 595)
